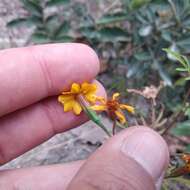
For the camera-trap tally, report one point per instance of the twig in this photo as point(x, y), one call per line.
point(114, 127)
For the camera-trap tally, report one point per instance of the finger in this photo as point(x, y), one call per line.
point(41, 178)
point(33, 73)
point(133, 160)
point(29, 127)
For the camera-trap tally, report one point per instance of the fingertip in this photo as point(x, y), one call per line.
point(133, 159)
point(65, 63)
point(147, 147)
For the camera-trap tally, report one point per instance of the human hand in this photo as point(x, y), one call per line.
point(31, 78)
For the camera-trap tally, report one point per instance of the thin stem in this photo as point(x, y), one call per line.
point(114, 127)
point(92, 114)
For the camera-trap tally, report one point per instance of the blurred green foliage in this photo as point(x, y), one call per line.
point(132, 37)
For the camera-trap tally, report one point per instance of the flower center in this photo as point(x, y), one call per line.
point(112, 105)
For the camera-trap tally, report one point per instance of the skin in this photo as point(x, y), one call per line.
point(32, 78)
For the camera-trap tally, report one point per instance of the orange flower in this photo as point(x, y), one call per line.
point(70, 99)
point(113, 108)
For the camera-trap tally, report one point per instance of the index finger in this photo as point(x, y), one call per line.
point(30, 74)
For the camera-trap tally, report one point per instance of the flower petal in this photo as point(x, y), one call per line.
point(115, 96)
point(99, 107)
point(100, 99)
point(75, 88)
point(121, 117)
point(130, 109)
point(90, 97)
point(77, 108)
point(67, 93)
point(65, 98)
point(87, 87)
point(68, 106)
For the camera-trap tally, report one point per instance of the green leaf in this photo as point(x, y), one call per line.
point(182, 59)
point(62, 30)
point(57, 2)
point(136, 4)
point(107, 19)
point(17, 22)
point(112, 34)
point(184, 44)
point(182, 129)
point(181, 69)
point(33, 7)
point(63, 38)
point(166, 35)
point(180, 82)
point(51, 18)
point(89, 32)
point(28, 21)
point(40, 38)
point(163, 74)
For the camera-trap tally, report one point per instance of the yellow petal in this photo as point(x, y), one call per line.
point(75, 88)
point(65, 98)
point(68, 106)
point(77, 108)
point(87, 87)
point(90, 97)
point(121, 117)
point(115, 96)
point(99, 107)
point(67, 93)
point(130, 109)
point(100, 99)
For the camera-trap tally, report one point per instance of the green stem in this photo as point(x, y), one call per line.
point(92, 114)
point(96, 119)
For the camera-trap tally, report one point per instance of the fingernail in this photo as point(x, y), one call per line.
point(148, 149)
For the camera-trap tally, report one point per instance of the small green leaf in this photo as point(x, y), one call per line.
point(64, 38)
point(184, 44)
point(107, 19)
point(40, 38)
point(62, 29)
point(163, 74)
point(136, 4)
point(181, 69)
point(33, 7)
point(17, 22)
point(182, 129)
point(182, 59)
point(51, 18)
point(180, 82)
point(28, 21)
point(112, 34)
point(57, 2)
point(166, 35)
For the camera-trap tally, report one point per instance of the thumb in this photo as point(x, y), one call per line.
point(135, 159)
